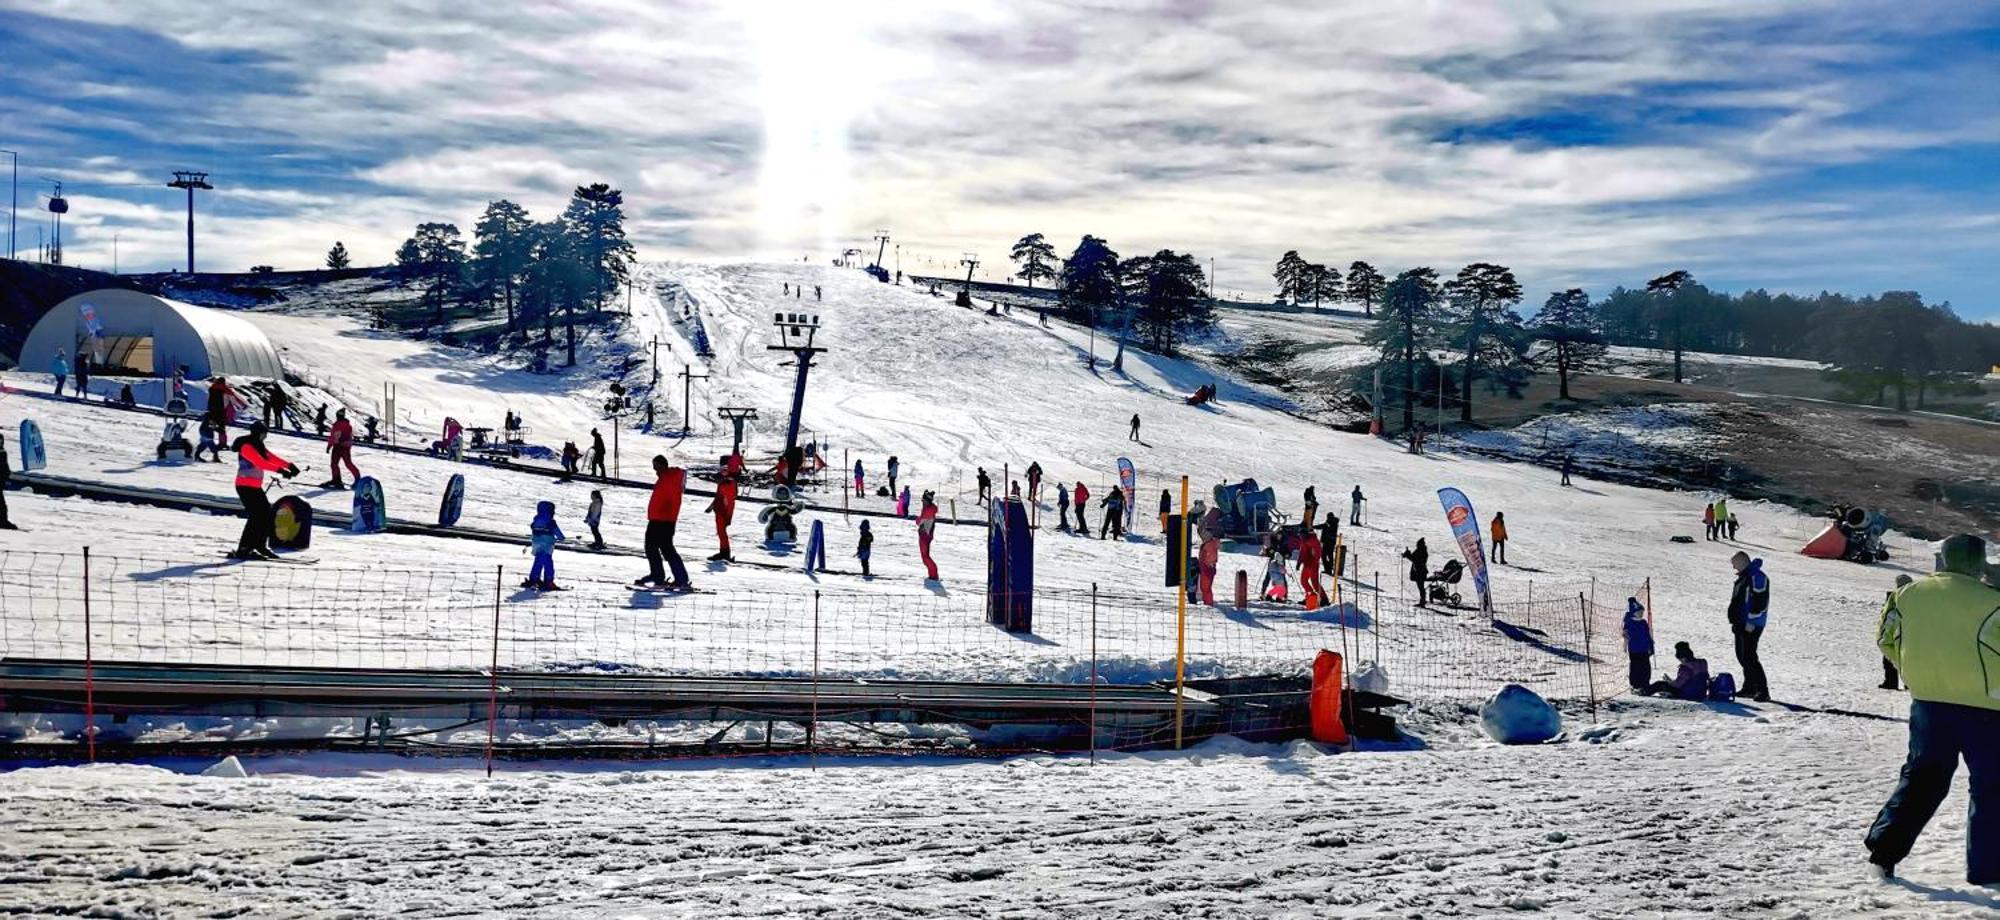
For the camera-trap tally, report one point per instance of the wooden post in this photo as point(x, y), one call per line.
point(89, 669)
point(1093, 673)
point(1589, 665)
point(493, 671)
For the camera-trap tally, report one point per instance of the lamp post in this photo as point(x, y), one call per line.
point(13, 199)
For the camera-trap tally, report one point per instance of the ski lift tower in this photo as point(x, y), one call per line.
point(795, 334)
point(971, 261)
point(190, 181)
point(736, 415)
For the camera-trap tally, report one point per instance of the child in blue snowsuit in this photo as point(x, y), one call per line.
point(1638, 644)
point(543, 535)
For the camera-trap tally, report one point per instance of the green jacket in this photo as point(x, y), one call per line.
point(1943, 632)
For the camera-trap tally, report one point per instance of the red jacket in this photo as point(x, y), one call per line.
point(666, 502)
point(1080, 494)
point(253, 462)
point(340, 435)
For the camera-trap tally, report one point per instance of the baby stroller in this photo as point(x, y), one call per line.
point(1440, 583)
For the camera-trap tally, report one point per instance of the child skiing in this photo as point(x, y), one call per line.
point(59, 369)
point(926, 526)
point(1274, 577)
point(593, 516)
point(1062, 507)
point(211, 439)
point(543, 535)
point(864, 547)
point(860, 485)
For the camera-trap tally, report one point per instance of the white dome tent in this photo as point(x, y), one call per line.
point(144, 334)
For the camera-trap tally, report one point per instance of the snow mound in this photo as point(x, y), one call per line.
point(1517, 715)
point(1371, 677)
point(228, 767)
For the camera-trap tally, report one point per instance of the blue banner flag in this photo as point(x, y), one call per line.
point(1465, 526)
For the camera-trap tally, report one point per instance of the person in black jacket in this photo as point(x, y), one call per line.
point(1329, 538)
point(1749, 605)
point(1420, 568)
point(6, 474)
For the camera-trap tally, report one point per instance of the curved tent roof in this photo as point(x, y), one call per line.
point(209, 342)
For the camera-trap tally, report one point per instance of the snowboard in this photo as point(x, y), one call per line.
point(292, 521)
point(34, 454)
point(370, 514)
point(454, 501)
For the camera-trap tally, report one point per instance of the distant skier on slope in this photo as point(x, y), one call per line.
point(1166, 508)
point(864, 547)
point(1568, 467)
point(894, 466)
point(1354, 501)
point(985, 486)
point(860, 484)
point(593, 516)
point(597, 453)
point(1329, 543)
point(1035, 481)
point(1499, 533)
point(1135, 428)
point(253, 460)
point(1311, 508)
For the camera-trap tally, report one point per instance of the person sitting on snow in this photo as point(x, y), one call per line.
point(1690, 682)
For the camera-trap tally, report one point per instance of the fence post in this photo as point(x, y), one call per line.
point(812, 724)
point(1093, 673)
point(89, 669)
point(1589, 660)
point(493, 671)
point(1180, 629)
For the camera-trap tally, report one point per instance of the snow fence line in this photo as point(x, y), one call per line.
point(76, 607)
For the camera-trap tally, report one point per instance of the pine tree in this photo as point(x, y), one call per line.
point(436, 255)
point(336, 258)
point(1089, 281)
point(556, 279)
point(596, 218)
point(1667, 288)
point(1291, 277)
point(500, 256)
point(1364, 286)
point(1483, 296)
point(1036, 257)
point(1571, 330)
point(1169, 293)
point(1325, 285)
point(1406, 332)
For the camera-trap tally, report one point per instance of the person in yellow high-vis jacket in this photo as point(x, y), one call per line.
point(1943, 632)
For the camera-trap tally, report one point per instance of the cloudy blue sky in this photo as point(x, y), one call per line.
point(1788, 144)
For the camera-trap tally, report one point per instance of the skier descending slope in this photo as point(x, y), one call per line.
point(253, 460)
point(926, 527)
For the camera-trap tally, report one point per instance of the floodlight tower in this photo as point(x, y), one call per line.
point(795, 334)
point(58, 206)
point(190, 181)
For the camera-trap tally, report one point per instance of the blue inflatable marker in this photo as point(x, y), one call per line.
point(34, 454)
point(371, 515)
point(454, 501)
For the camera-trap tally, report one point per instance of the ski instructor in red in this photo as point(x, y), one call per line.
point(253, 460)
point(663, 511)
